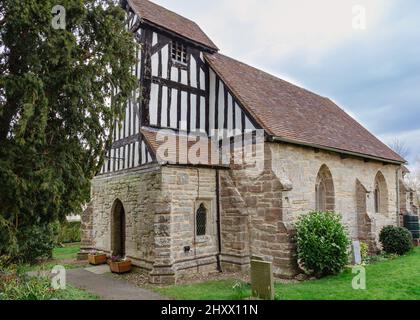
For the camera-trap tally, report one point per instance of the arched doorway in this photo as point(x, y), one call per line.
point(118, 229)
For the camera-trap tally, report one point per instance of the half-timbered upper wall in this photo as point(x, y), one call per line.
point(129, 149)
point(190, 97)
point(227, 118)
point(183, 95)
point(178, 94)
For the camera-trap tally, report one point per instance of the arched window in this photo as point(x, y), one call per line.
point(201, 220)
point(324, 190)
point(380, 194)
point(377, 197)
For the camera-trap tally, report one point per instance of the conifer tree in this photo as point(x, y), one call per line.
point(64, 80)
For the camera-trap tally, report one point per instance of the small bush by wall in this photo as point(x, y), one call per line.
point(322, 243)
point(364, 251)
point(396, 240)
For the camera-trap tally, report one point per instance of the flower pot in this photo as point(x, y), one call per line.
point(97, 259)
point(120, 266)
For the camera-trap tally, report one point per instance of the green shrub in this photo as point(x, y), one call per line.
point(25, 288)
point(364, 251)
point(8, 241)
point(35, 242)
point(396, 240)
point(322, 243)
point(69, 232)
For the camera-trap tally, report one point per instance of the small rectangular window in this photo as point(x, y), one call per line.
point(179, 53)
point(201, 220)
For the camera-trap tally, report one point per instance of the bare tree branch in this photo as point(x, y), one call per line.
point(400, 147)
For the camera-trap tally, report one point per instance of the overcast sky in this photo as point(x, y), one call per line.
point(374, 74)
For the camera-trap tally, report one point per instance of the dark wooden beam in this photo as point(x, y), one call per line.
point(125, 141)
point(163, 41)
point(177, 85)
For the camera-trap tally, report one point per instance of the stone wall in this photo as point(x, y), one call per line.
point(188, 188)
point(260, 203)
point(300, 166)
point(160, 205)
point(139, 192)
point(252, 217)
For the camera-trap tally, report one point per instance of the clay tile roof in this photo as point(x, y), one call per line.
point(162, 17)
point(405, 169)
point(295, 114)
point(205, 151)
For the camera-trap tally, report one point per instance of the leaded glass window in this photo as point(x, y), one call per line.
point(201, 220)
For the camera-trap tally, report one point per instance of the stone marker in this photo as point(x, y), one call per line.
point(262, 283)
point(357, 257)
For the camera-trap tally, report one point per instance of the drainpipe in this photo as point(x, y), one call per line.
point(397, 173)
point(219, 235)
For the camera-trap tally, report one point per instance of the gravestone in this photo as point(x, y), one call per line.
point(357, 257)
point(262, 283)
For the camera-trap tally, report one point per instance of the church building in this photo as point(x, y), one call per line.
point(215, 160)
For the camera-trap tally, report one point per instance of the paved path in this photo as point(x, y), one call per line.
point(95, 281)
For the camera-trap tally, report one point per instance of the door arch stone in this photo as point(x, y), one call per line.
point(118, 229)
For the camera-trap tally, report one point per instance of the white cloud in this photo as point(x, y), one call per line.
point(264, 32)
point(279, 29)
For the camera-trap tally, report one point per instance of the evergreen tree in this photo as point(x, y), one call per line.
point(64, 81)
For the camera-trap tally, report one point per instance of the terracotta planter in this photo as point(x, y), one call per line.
point(120, 266)
point(97, 259)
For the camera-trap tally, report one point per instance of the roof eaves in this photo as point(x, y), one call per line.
point(340, 151)
point(177, 35)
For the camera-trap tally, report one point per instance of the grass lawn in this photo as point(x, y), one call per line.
point(396, 279)
point(73, 293)
point(67, 252)
point(40, 289)
point(61, 256)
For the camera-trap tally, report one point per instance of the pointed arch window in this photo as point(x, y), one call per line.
point(380, 195)
point(377, 198)
point(324, 190)
point(201, 220)
point(321, 197)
